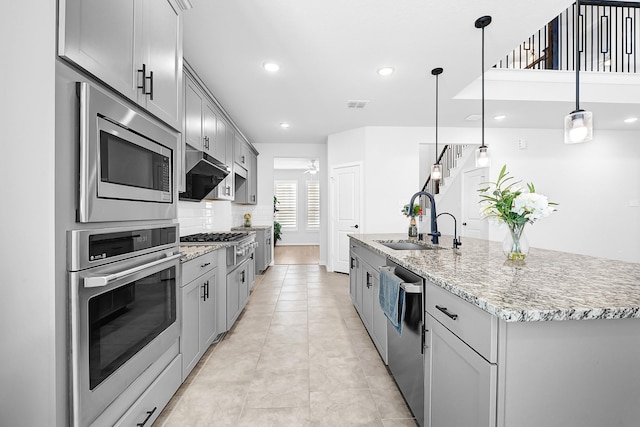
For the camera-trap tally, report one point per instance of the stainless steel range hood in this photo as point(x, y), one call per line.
point(204, 173)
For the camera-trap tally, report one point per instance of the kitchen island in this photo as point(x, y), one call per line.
point(553, 340)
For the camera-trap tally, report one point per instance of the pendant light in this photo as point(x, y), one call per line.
point(436, 168)
point(482, 153)
point(578, 125)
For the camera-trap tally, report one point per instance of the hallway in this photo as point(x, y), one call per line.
point(298, 356)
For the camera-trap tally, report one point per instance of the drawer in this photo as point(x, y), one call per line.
point(147, 408)
point(196, 267)
point(474, 326)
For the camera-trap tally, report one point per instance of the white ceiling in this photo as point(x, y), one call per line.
point(329, 51)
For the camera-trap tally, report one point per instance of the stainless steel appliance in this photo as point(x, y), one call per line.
point(123, 312)
point(204, 173)
point(405, 351)
point(242, 245)
point(127, 162)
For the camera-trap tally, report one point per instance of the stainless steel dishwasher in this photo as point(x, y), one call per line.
point(405, 351)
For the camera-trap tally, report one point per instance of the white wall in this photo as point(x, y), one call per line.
point(594, 216)
point(266, 176)
point(27, 176)
point(301, 235)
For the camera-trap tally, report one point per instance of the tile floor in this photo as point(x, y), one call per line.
point(298, 356)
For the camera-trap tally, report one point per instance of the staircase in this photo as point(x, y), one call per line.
point(450, 158)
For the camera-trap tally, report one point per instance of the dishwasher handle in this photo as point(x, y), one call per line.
point(411, 288)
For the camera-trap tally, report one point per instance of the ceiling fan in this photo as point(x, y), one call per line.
point(312, 168)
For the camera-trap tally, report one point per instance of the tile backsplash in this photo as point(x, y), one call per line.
point(219, 215)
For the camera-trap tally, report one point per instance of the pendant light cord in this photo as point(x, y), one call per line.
point(483, 87)
point(436, 119)
point(577, 43)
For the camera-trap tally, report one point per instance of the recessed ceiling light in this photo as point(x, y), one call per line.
point(473, 117)
point(631, 120)
point(284, 125)
point(499, 117)
point(386, 71)
point(272, 67)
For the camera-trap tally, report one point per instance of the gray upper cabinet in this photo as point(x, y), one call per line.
point(193, 112)
point(133, 46)
point(246, 164)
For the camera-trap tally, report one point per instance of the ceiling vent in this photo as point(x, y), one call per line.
point(357, 104)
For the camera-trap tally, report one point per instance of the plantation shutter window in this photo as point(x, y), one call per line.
point(287, 192)
point(313, 204)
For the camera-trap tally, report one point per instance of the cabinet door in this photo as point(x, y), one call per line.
point(224, 190)
point(355, 290)
point(239, 151)
point(193, 123)
point(233, 296)
point(251, 271)
point(160, 33)
point(460, 385)
point(267, 248)
point(189, 338)
point(243, 293)
point(367, 295)
point(207, 310)
point(98, 36)
point(209, 126)
point(252, 177)
point(217, 142)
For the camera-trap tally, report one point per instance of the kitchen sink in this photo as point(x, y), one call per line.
point(406, 246)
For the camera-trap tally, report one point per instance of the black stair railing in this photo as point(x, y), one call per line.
point(609, 43)
point(448, 159)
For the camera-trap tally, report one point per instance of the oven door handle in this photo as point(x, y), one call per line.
point(100, 281)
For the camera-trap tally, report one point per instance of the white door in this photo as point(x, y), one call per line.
point(473, 225)
point(346, 202)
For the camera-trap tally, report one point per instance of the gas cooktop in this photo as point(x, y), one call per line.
point(213, 237)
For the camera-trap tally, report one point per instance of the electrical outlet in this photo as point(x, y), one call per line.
point(522, 144)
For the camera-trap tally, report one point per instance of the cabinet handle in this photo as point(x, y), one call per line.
point(144, 79)
point(149, 414)
point(444, 310)
point(206, 142)
point(205, 264)
point(368, 280)
point(207, 289)
point(241, 159)
point(242, 277)
point(204, 293)
point(150, 93)
point(228, 190)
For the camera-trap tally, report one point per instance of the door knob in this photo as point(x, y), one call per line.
point(464, 223)
point(355, 226)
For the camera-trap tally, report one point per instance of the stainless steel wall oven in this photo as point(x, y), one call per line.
point(126, 162)
point(123, 310)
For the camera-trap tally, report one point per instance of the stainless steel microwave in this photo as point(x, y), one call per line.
point(127, 162)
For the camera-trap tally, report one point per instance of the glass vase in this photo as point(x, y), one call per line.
point(413, 228)
point(515, 245)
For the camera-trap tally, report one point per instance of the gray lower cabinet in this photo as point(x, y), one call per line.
point(460, 362)
point(263, 251)
point(200, 301)
point(238, 286)
point(460, 384)
point(364, 288)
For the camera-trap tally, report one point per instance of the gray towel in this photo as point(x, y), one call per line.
point(391, 298)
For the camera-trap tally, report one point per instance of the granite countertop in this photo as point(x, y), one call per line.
point(252, 228)
point(190, 252)
point(548, 285)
